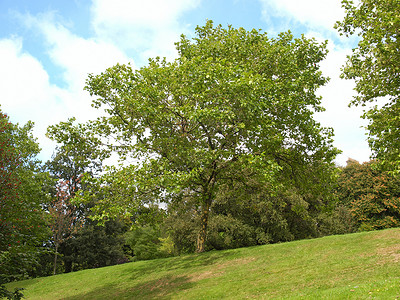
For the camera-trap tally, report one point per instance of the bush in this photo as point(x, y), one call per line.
point(146, 243)
point(15, 295)
point(338, 221)
point(225, 232)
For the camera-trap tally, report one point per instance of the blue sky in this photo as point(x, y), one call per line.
point(48, 47)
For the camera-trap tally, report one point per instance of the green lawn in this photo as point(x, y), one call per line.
point(355, 266)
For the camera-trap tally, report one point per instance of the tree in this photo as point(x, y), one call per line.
point(63, 221)
point(371, 194)
point(232, 98)
point(9, 161)
point(22, 222)
point(146, 242)
point(77, 153)
point(375, 67)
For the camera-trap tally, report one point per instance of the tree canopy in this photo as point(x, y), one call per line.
point(375, 67)
point(232, 100)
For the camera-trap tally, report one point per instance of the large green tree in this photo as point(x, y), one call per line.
point(375, 67)
point(233, 100)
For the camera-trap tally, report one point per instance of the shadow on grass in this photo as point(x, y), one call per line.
point(179, 264)
point(148, 282)
point(160, 288)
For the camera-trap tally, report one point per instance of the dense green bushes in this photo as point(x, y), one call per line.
point(371, 194)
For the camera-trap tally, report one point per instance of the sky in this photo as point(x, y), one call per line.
point(48, 48)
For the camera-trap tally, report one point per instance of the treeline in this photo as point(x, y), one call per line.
point(53, 217)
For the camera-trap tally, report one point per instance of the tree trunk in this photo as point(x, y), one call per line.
point(207, 200)
point(201, 238)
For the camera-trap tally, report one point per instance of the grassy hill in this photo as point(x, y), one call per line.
point(355, 266)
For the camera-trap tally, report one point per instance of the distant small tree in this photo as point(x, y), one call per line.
point(77, 154)
point(63, 220)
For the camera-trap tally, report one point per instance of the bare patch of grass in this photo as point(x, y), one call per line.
point(390, 254)
point(388, 234)
point(219, 269)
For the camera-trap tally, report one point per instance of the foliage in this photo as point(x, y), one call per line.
point(44, 259)
point(281, 217)
point(181, 224)
point(116, 193)
point(371, 194)
point(20, 193)
point(94, 246)
point(8, 184)
point(9, 209)
point(77, 153)
point(16, 295)
point(22, 221)
point(375, 66)
point(337, 220)
point(63, 221)
point(226, 232)
point(232, 98)
point(246, 214)
point(145, 243)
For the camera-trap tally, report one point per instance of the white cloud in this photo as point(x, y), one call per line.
point(314, 13)
point(26, 91)
point(346, 122)
point(318, 18)
point(76, 55)
point(149, 27)
point(152, 13)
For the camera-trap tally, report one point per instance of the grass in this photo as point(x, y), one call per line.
point(355, 266)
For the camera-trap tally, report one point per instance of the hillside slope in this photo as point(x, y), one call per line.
point(355, 266)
